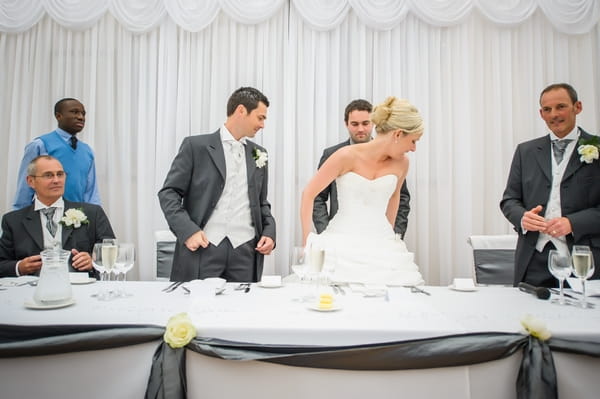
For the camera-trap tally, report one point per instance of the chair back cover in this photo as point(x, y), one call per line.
point(494, 258)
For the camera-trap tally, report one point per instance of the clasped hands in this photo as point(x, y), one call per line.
point(198, 239)
point(557, 227)
point(81, 261)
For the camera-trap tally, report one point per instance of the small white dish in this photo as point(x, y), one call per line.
point(31, 304)
point(80, 278)
point(315, 306)
point(463, 289)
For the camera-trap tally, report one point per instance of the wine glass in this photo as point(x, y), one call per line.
point(100, 262)
point(559, 265)
point(125, 259)
point(110, 251)
point(124, 263)
point(583, 267)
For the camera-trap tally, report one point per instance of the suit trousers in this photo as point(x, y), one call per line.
point(232, 264)
point(537, 272)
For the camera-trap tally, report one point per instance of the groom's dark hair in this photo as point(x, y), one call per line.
point(357, 105)
point(249, 97)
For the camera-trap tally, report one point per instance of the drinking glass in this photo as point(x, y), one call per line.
point(110, 250)
point(100, 261)
point(316, 262)
point(124, 263)
point(583, 267)
point(559, 265)
point(125, 259)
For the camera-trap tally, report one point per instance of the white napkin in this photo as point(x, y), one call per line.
point(463, 284)
point(270, 281)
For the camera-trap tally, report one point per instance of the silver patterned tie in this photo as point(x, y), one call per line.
point(558, 147)
point(50, 223)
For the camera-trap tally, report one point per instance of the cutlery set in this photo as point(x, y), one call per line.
point(243, 286)
point(173, 286)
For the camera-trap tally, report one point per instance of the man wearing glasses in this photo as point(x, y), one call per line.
point(76, 156)
point(43, 225)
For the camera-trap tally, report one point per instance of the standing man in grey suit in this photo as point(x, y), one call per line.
point(215, 197)
point(552, 197)
point(27, 232)
point(357, 117)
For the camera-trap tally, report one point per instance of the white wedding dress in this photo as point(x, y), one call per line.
point(359, 242)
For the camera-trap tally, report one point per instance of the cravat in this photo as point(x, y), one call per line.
point(50, 224)
point(74, 142)
point(237, 149)
point(558, 147)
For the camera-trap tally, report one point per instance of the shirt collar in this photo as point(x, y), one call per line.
point(227, 136)
point(573, 135)
point(37, 204)
point(65, 136)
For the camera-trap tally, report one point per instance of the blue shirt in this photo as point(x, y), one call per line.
point(88, 192)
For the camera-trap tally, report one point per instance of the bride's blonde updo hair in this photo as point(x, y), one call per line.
point(394, 114)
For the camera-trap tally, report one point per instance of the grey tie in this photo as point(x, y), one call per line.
point(558, 147)
point(50, 224)
point(237, 149)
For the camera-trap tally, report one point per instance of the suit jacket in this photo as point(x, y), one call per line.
point(529, 184)
point(192, 189)
point(22, 234)
point(321, 216)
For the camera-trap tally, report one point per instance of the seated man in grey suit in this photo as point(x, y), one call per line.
point(28, 231)
point(552, 196)
point(357, 117)
point(215, 197)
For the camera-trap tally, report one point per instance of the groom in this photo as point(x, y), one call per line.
point(552, 195)
point(215, 197)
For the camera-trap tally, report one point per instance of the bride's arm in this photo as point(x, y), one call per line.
point(334, 166)
point(394, 203)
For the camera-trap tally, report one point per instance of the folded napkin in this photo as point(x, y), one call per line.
point(270, 281)
point(463, 284)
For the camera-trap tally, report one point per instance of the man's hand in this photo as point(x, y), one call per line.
point(265, 245)
point(196, 240)
point(558, 227)
point(532, 221)
point(81, 261)
point(30, 265)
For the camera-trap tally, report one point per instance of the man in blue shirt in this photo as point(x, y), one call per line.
point(76, 156)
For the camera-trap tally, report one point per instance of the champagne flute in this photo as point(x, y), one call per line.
point(99, 263)
point(583, 267)
point(110, 251)
point(317, 259)
point(559, 265)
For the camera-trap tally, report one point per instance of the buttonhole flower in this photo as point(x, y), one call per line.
point(74, 217)
point(589, 149)
point(260, 157)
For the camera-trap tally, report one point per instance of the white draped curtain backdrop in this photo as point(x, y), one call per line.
point(151, 72)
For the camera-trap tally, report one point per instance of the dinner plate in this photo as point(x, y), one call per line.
point(331, 309)
point(463, 289)
point(31, 304)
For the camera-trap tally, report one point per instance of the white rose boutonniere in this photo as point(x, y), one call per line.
point(589, 149)
point(535, 327)
point(180, 331)
point(260, 157)
point(74, 217)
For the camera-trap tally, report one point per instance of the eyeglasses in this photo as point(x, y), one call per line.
point(50, 175)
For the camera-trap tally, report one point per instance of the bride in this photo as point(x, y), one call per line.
point(359, 243)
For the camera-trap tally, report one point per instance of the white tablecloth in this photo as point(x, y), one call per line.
point(276, 315)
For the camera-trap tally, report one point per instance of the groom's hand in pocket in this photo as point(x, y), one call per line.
point(196, 240)
point(265, 245)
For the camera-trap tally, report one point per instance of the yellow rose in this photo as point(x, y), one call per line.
point(535, 327)
point(588, 153)
point(180, 331)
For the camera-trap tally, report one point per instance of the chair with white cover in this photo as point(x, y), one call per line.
point(164, 244)
point(494, 258)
